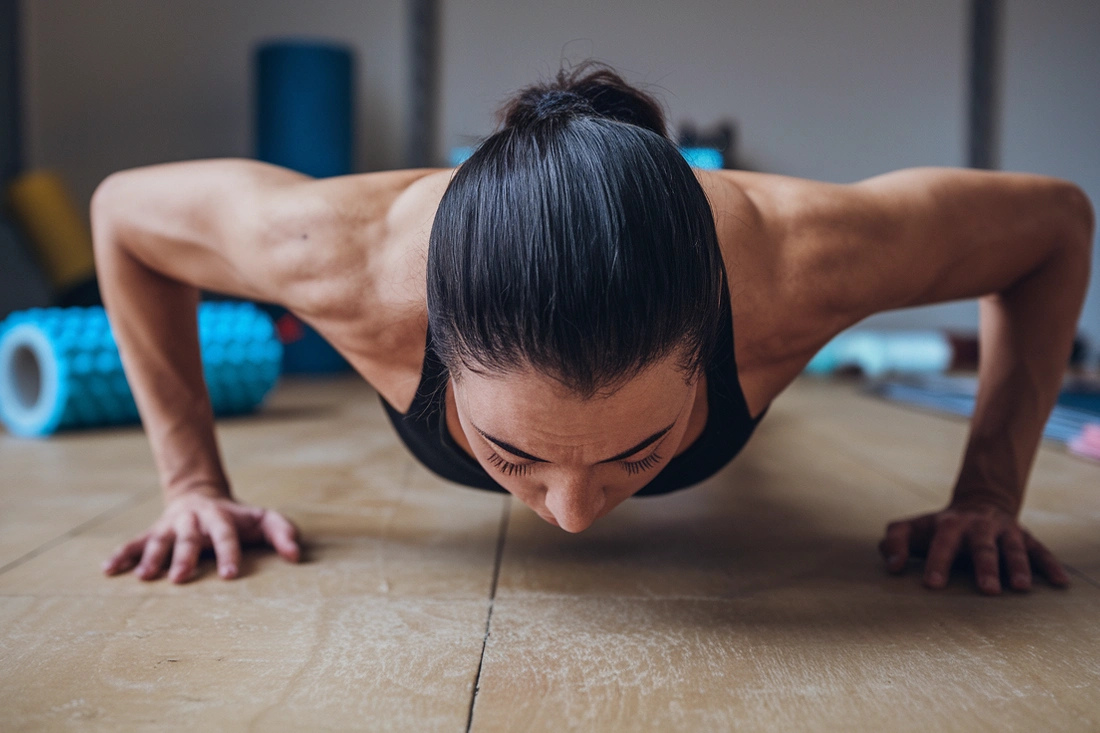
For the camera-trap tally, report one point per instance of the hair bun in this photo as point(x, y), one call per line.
point(539, 104)
point(589, 90)
point(554, 102)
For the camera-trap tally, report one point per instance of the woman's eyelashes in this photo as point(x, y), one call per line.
point(521, 469)
point(507, 467)
point(634, 467)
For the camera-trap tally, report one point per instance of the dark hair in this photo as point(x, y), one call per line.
point(575, 240)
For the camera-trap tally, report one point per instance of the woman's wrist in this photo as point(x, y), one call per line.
point(206, 488)
point(978, 498)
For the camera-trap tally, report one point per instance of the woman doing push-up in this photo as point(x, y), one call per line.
point(575, 316)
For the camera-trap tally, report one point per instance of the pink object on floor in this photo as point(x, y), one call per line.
point(1088, 442)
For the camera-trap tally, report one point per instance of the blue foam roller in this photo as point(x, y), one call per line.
point(60, 367)
point(706, 158)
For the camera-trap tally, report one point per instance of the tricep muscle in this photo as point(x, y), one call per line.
point(923, 236)
point(199, 222)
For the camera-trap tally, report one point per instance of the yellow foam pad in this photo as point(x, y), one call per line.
point(62, 242)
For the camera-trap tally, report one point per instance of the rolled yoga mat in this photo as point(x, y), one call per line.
point(60, 368)
point(62, 243)
point(304, 112)
point(305, 122)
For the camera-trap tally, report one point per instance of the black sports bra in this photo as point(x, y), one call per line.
point(729, 425)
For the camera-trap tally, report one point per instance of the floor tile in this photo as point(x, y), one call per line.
point(812, 657)
point(288, 663)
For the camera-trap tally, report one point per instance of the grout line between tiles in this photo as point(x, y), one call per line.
point(505, 513)
point(98, 519)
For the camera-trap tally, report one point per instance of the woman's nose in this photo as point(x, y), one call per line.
point(575, 504)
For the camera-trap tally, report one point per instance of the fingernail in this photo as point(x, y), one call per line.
point(935, 579)
point(229, 571)
point(989, 584)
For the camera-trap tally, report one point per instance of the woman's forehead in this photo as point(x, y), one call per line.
point(529, 402)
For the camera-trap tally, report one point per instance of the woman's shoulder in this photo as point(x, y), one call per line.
point(366, 267)
point(778, 325)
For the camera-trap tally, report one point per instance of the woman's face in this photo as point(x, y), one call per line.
point(570, 459)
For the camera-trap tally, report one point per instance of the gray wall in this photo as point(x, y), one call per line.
point(113, 84)
point(1051, 109)
point(836, 91)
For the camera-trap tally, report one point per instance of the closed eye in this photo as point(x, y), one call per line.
point(522, 469)
point(507, 467)
point(636, 467)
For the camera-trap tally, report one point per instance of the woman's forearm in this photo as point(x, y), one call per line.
point(1027, 333)
point(153, 318)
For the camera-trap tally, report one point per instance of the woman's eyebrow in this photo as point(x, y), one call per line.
point(509, 447)
point(618, 457)
point(647, 442)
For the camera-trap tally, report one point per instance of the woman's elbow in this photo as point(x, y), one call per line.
point(1079, 219)
point(105, 201)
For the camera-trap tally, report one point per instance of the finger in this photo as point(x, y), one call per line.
point(227, 545)
point(923, 530)
point(895, 546)
point(941, 554)
point(246, 521)
point(185, 554)
point(1016, 560)
point(282, 534)
point(156, 552)
point(1046, 562)
point(126, 556)
point(984, 556)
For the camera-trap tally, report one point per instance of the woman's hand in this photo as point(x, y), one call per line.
point(990, 536)
point(194, 522)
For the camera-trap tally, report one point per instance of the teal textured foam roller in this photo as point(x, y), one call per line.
point(60, 367)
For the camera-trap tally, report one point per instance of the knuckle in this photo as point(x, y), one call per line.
point(223, 536)
point(940, 557)
point(948, 523)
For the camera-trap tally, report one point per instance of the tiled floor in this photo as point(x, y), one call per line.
point(754, 602)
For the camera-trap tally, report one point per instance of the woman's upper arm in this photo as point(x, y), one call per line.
point(250, 229)
point(205, 223)
point(918, 236)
